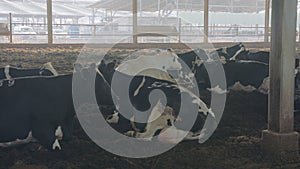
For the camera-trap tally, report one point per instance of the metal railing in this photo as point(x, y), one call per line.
point(109, 33)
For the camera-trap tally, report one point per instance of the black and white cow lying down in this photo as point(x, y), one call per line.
point(139, 90)
point(41, 107)
point(240, 75)
point(9, 72)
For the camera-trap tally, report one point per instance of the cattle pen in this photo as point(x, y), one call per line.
point(247, 116)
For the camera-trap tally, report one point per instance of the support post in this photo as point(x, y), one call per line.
point(280, 138)
point(49, 21)
point(267, 20)
point(134, 17)
point(10, 29)
point(206, 7)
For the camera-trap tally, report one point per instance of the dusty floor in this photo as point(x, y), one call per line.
point(235, 144)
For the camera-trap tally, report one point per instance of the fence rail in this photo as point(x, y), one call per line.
point(107, 33)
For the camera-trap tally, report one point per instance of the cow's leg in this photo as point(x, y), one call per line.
point(45, 134)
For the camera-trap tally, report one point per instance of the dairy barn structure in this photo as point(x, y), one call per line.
point(149, 84)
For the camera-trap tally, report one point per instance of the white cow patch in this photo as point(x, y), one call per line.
point(113, 119)
point(56, 145)
point(196, 135)
point(58, 133)
point(252, 61)
point(28, 139)
point(160, 117)
point(296, 71)
point(238, 52)
point(136, 92)
point(49, 66)
point(223, 60)
point(172, 135)
point(11, 82)
point(6, 71)
point(163, 61)
point(218, 90)
point(197, 62)
point(157, 111)
point(239, 87)
point(202, 106)
point(264, 87)
point(210, 60)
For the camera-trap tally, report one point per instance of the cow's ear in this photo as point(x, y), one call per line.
point(78, 67)
point(102, 62)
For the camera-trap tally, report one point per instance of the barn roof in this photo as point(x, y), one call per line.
point(29, 8)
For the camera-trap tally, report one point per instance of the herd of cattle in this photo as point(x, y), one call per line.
point(37, 104)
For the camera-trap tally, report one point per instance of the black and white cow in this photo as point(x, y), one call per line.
point(9, 72)
point(138, 93)
point(39, 106)
point(240, 75)
point(226, 53)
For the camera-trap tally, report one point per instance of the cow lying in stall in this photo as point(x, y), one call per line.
point(245, 70)
point(196, 57)
point(170, 61)
point(240, 75)
point(140, 88)
point(9, 72)
point(40, 107)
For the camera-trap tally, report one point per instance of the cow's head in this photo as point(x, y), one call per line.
point(233, 51)
point(229, 52)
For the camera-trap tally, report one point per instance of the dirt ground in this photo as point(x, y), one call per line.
point(235, 144)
